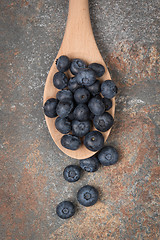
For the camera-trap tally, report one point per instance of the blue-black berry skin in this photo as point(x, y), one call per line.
point(81, 95)
point(87, 196)
point(70, 142)
point(63, 63)
point(50, 107)
point(86, 77)
point(63, 125)
point(80, 128)
point(103, 122)
point(109, 89)
point(64, 108)
point(94, 141)
point(96, 106)
point(60, 80)
point(73, 85)
point(108, 156)
point(95, 88)
point(107, 103)
point(65, 209)
point(90, 164)
point(77, 65)
point(97, 68)
point(81, 112)
point(72, 173)
point(64, 95)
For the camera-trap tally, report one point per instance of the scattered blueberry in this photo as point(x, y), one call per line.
point(103, 122)
point(94, 141)
point(72, 84)
point(86, 77)
point(81, 95)
point(72, 173)
point(76, 65)
point(63, 63)
point(87, 196)
point(65, 209)
point(71, 116)
point(64, 94)
point(60, 80)
point(70, 142)
point(95, 88)
point(97, 68)
point(90, 164)
point(107, 103)
point(63, 125)
point(109, 89)
point(80, 128)
point(96, 106)
point(81, 112)
point(64, 108)
point(50, 107)
point(108, 156)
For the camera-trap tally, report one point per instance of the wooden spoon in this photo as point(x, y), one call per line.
point(78, 42)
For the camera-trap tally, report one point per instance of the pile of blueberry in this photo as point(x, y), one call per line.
point(81, 103)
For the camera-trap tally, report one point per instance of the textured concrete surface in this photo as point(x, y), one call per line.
point(31, 164)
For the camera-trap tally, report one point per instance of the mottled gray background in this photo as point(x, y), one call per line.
point(31, 165)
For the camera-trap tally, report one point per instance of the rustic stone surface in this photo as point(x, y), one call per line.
point(31, 165)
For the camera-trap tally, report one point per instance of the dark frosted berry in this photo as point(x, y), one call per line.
point(70, 142)
point(96, 106)
point(108, 156)
point(80, 128)
point(95, 88)
point(81, 112)
point(64, 108)
point(63, 125)
point(97, 68)
point(90, 164)
point(94, 141)
point(73, 85)
point(64, 94)
point(60, 80)
point(63, 63)
point(81, 95)
point(103, 122)
point(50, 107)
point(76, 65)
point(86, 77)
point(109, 89)
point(107, 103)
point(71, 116)
point(65, 209)
point(87, 196)
point(72, 173)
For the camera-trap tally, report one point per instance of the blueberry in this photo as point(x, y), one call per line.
point(64, 108)
point(95, 88)
point(97, 68)
point(87, 196)
point(50, 107)
point(96, 106)
point(73, 85)
point(80, 129)
point(70, 142)
point(72, 173)
point(81, 112)
point(63, 125)
point(81, 95)
point(108, 156)
point(86, 77)
point(107, 103)
point(60, 80)
point(94, 141)
point(91, 116)
point(63, 63)
point(64, 94)
point(76, 65)
point(65, 209)
point(71, 116)
point(90, 164)
point(103, 122)
point(109, 89)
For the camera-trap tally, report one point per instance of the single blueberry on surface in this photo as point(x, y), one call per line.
point(76, 65)
point(64, 108)
point(94, 141)
point(65, 209)
point(63, 63)
point(60, 80)
point(50, 107)
point(96, 106)
point(81, 112)
point(107, 103)
point(64, 94)
point(95, 88)
point(87, 196)
point(103, 122)
point(108, 156)
point(72, 173)
point(90, 164)
point(73, 85)
point(109, 89)
point(81, 95)
point(97, 68)
point(80, 128)
point(70, 142)
point(86, 77)
point(63, 125)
